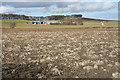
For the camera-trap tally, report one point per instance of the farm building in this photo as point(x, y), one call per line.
point(42, 22)
point(51, 21)
point(37, 22)
point(54, 22)
point(33, 22)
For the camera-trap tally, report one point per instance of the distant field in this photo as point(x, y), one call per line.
point(22, 24)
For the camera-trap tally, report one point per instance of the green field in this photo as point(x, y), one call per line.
point(22, 24)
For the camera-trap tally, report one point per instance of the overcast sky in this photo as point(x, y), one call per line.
point(99, 9)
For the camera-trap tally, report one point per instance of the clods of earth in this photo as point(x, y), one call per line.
point(60, 53)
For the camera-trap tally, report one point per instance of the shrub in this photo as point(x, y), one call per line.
point(80, 23)
point(12, 25)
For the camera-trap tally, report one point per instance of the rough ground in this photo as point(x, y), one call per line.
point(60, 53)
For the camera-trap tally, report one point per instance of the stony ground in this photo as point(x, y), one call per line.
point(60, 53)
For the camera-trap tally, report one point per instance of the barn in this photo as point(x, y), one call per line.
point(42, 22)
point(37, 22)
point(33, 22)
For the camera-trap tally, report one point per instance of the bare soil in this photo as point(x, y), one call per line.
point(60, 53)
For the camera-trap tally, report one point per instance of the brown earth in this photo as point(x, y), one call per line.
point(60, 53)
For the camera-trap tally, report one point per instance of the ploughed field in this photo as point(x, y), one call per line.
point(60, 53)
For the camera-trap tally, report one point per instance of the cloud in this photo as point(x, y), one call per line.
point(80, 7)
point(58, 0)
point(55, 7)
point(42, 0)
point(27, 4)
point(42, 3)
point(4, 9)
